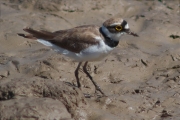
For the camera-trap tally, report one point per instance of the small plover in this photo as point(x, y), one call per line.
point(83, 43)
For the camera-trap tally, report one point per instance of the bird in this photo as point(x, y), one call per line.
point(86, 43)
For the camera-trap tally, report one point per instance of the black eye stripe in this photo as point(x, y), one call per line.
point(124, 23)
point(110, 27)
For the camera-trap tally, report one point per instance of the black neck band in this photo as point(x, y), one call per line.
point(108, 41)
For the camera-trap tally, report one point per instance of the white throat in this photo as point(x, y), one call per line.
point(113, 36)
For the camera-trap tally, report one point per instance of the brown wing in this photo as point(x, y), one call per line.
point(34, 34)
point(74, 40)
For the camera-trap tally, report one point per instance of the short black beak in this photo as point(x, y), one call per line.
point(128, 31)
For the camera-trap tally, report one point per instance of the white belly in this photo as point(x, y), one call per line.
point(93, 53)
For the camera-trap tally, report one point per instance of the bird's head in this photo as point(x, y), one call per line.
point(114, 28)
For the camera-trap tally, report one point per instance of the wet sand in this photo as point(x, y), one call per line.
point(141, 77)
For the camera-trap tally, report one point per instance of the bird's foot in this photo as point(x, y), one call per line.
point(71, 84)
point(99, 89)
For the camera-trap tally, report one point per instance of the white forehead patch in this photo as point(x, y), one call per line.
point(126, 26)
point(115, 24)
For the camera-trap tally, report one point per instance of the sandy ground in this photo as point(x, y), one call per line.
point(141, 77)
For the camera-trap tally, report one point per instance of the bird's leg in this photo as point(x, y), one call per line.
point(95, 84)
point(76, 74)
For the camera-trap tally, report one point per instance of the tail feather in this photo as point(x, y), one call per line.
point(26, 36)
point(34, 34)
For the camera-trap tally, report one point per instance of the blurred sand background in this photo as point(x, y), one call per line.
point(141, 77)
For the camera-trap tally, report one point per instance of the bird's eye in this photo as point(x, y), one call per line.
point(118, 28)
